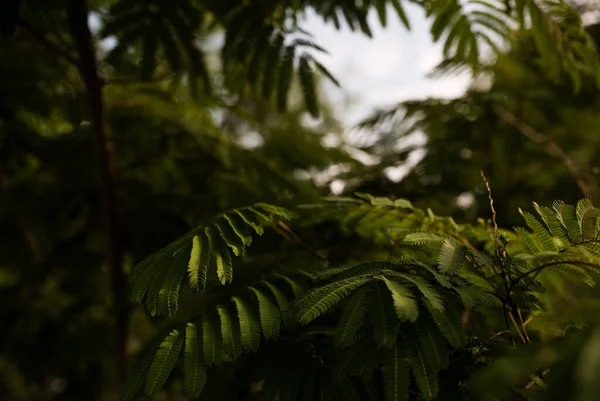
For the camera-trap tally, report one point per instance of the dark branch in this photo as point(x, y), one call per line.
point(77, 13)
point(583, 180)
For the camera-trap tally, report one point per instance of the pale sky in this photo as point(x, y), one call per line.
point(384, 70)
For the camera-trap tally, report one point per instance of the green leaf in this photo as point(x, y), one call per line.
point(194, 370)
point(449, 321)
point(163, 362)
point(542, 235)
point(568, 217)
point(423, 238)
point(353, 317)
point(222, 257)
point(380, 6)
point(230, 331)
point(430, 293)
point(231, 238)
point(397, 4)
point(249, 325)
point(308, 86)
point(588, 215)
point(424, 369)
point(451, 257)
point(270, 319)
point(272, 64)
point(383, 317)
point(240, 227)
point(279, 296)
point(552, 222)
point(169, 294)
point(320, 300)
point(252, 219)
point(212, 342)
point(396, 374)
point(285, 78)
point(323, 70)
point(199, 262)
point(404, 301)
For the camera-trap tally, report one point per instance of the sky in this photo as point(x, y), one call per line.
point(382, 71)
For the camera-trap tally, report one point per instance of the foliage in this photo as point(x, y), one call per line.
point(407, 313)
point(186, 129)
point(457, 142)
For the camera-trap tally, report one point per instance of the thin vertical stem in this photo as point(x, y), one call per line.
point(77, 13)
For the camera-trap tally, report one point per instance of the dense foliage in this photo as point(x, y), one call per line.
point(413, 325)
point(125, 124)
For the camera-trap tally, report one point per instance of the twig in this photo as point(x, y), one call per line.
point(523, 325)
point(532, 382)
point(77, 15)
point(496, 241)
point(541, 267)
point(583, 180)
point(514, 322)
point(299, 240)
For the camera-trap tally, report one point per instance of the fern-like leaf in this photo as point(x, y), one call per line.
point(552, 222)
point(383, 316)
point(428, 291)
point(231, 238)
point(212, 341)
point(423, 238)
point(249, 325)
point(270, 319)
point(353, 317)
point(164, 361)
point(320, 300)
point(588, 215)
point(568, 217)
point(404, 301)
point(422, 365)
point(449, 322)
point(230, 332)
point(169, 295)
point(396, 374)
point(542, 235)
point(199, 262)
point(285, 77)
point(451, 257)
point(308, 86)
point(194, 370)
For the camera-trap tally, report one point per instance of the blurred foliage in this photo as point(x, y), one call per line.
point(493, 128)
point(196, 128)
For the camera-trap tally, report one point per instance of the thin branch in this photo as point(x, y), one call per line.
point(514, 322)
point(77, 15)
point(583, 180)
point(299, 240)
point(48, 44)
point(496, 241)
point(553, 263)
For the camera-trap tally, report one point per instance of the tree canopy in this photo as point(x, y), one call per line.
point(168, 230)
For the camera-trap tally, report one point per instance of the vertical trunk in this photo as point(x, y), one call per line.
point(77, 13)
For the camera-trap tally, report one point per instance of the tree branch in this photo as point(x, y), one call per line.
point(551, 147)
point(553, 263)
point(77, 14)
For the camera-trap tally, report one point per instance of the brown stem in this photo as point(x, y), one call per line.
point(584, 182)
point(77, 14)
